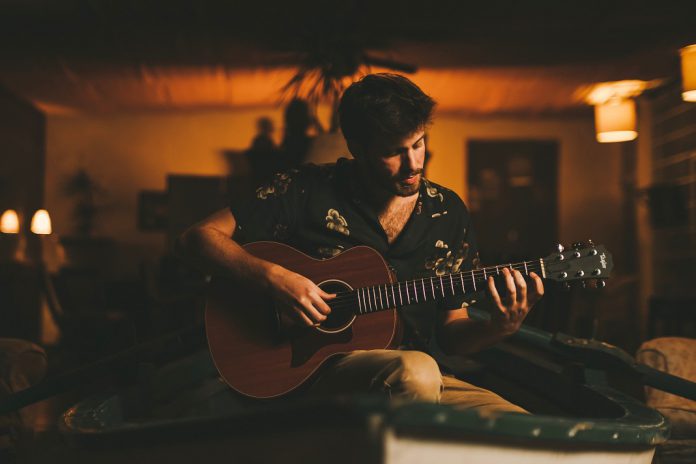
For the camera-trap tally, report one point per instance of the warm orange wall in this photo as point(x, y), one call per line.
point(131, 152)
point(128, 153)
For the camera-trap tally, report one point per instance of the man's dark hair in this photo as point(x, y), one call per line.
point(383, 106)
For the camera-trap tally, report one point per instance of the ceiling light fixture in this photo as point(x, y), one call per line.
point(615, 120)
point(688, 68)
point(615, 108)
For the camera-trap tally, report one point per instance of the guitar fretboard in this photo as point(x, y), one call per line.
point(403, 293)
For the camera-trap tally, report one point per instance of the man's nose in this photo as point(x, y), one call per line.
point(411, 160)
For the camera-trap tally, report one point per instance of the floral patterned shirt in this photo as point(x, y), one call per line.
point(320, 211)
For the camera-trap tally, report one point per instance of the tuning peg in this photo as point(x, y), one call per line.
point(560, 248)
point(601, 284)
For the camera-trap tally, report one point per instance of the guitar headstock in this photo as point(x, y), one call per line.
point(583, 261)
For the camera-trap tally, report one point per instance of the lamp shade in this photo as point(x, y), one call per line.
point(615, 121)
point(9, 222)
point(41, 223)
point(688, 67)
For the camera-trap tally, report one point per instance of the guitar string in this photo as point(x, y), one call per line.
point(407, 283)
point(351, 302)
point(348, 299)
point(351, 299)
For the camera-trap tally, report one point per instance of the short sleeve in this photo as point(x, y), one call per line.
point(273, 210)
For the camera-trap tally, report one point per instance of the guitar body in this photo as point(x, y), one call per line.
point(262, 355)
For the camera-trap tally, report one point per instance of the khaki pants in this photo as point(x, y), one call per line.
point(404, 376)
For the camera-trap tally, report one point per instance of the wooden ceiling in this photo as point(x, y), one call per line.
point(490, 57)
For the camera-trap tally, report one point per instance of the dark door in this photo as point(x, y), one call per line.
point(513, 198)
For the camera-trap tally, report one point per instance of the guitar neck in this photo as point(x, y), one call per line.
point(402, 293)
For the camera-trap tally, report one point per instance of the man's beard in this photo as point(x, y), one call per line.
point(393, 185)
point(402, 189)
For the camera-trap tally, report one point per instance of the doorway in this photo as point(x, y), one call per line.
point(513, 198)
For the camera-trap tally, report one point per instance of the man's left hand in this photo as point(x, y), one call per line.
point(509, 312)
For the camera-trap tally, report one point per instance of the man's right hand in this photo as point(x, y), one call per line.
point(208, 244)
point(298, 297)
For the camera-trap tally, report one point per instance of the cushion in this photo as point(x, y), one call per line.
point(676, 356)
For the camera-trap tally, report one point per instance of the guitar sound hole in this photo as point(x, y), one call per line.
point(342, 314)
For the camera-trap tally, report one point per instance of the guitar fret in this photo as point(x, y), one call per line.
point(407, 295)
point(401, 297)
point(393, 297)
point(451, 284)
point(375, 297)
point(386, 294)
point(423, 288)
point(415, 291)
point(369, 300)
point(473, 280)
point(461, 277)
point(432, 286)
point(525, 268)
point(484, 274)
point(543, 270)
point(497, 271)
point(359, 304)
point(381, 303)
point(442, 287)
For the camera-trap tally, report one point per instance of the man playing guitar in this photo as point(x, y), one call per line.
point(380, 199)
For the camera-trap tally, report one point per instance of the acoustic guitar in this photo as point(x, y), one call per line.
point(261, 354)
